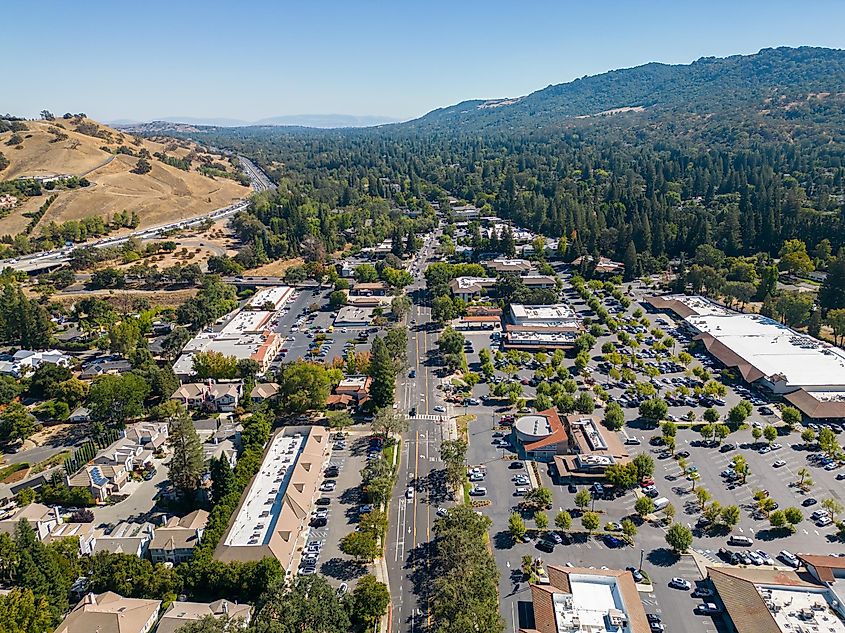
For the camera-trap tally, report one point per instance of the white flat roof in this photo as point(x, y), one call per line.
point(247, 321)
point(260, 510)
point(699, 305)
point(468, 282)
point(538, 338)
point(543, 313)
point(788, 605)
point(591, 599)
point(774, 349)
point(241, 346)
point(276, 295)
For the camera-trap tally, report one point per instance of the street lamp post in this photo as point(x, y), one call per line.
point(642, 553)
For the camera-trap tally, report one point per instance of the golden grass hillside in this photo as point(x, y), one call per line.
point(81, 147)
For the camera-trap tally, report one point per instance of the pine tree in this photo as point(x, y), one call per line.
point(832, 292)
point(630, 261)
point(383, 373)
point(508, 244)
point(186, 465)
point(222, 478)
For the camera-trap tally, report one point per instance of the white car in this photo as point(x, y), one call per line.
point(680, 583)
point(440, 408)
point(328, 486)
point(478, 491)
point(441, 512)
point(767, 560)
point(779, 463)
point(409, 493)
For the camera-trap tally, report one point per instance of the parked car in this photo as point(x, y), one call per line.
point(707, 608)
point(613, 541)
point(680, 583)
point(636, 573)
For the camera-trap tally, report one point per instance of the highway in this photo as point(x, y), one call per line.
point(410, 531)
point(53, 259)
point(260, 181)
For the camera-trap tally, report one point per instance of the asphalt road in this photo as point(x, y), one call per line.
point(411, 518)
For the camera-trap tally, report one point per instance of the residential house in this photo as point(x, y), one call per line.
point(179, 614)
point(124, 538)
point(42, 519)
point(79, 415)
point(104, 368)
point(206, 428)
point(211, 396)
point(26, 361)
point(125, 451)
point(111, 613)
point(83, 532)
point(264, 391)
point(176, 540)
point(102, 480)
point(216, 448)
point(150, 435)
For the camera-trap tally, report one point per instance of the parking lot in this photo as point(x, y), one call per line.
point(342, 511)
point(301, 326)
point(676, 382)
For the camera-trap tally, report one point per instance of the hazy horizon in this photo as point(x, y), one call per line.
point(274, 60)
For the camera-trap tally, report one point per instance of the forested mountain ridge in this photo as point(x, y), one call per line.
point(749, 158)
point(773, 76)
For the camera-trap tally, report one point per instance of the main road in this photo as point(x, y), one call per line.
point(420, 470)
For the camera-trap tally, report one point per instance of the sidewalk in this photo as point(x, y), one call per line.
point(380, 572)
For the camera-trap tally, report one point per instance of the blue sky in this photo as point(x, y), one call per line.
point(254, 59)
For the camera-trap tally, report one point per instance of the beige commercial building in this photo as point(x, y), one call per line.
point(276, 507)
point(807, 372)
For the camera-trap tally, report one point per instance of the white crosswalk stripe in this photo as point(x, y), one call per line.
point(426, 416)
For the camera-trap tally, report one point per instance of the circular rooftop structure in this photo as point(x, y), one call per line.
point(530, 428)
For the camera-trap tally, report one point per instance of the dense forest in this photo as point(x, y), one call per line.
point(742, 153)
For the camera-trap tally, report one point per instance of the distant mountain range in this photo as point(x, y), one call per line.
point(771, 79)
point(325, 121)
point(776, 88)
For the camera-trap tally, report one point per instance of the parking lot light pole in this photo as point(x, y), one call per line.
point(642, 553)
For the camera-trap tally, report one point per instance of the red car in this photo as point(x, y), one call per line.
point(648, 481)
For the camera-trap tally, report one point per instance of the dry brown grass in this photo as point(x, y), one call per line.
point(162, 195)
point(275, 269)
point(123, 300)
